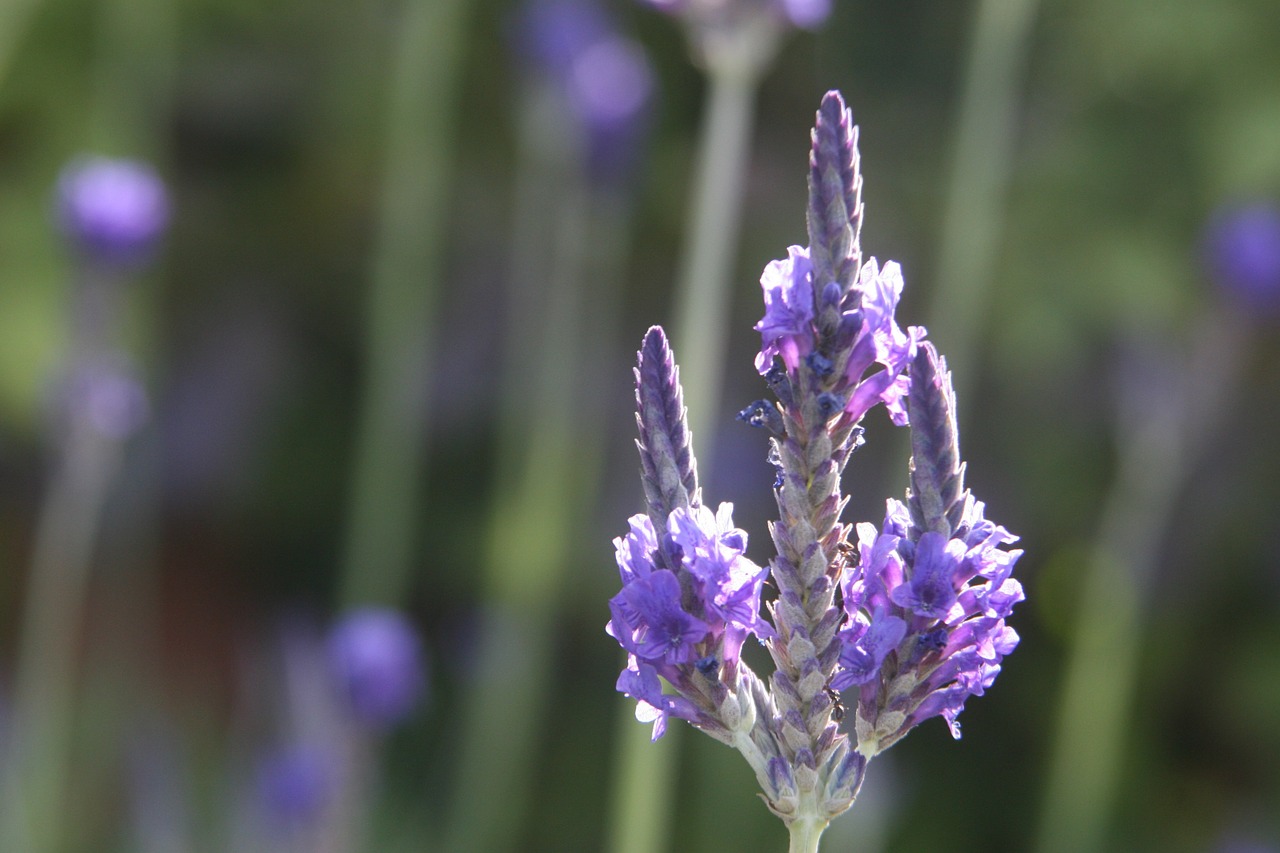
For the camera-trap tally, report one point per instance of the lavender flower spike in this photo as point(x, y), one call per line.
point(936, 580)
point(835, 196)
point(937, 495)
point(919, 622)
point(667, 467)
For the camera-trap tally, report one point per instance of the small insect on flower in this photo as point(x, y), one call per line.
point(837, 706)
point(846, 555)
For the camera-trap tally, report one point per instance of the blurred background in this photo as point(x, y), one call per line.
point(379, 362)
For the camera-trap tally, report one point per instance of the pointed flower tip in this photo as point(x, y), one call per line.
point(833, 103)
point(655, 344)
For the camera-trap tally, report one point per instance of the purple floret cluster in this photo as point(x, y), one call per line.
point(699, 613)
point(936, 608)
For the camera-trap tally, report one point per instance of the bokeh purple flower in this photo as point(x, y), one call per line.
point(111, 211)
point(805, 14)
point(377, 660)
point(294, 784)
point(604, 77)
point(1241, 253)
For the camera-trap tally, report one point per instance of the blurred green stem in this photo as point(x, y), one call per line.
point(14, 17)
point(981, 169)
point(548, 461)
point(404, 279)
point(703, 297)
point(44, 682)
point(1158, 436)
point(644, 778)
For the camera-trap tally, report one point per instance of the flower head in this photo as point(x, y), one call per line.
point(111, 211)
point(604, 78)
point(1242, 254)
point(666, 616)
point(294, 784)
point(805, 14)
point(376, 657)
point(948, 599)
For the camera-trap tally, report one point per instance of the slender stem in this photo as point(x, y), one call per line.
point(69, 523)
point(548, 459)
point(405, 272)
point(14, 17)
point(981, 168)
point(702, 296)
point(1157, 451)
point(640, 815)
point(805, 834)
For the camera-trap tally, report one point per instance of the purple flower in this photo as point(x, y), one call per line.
point(786, 330)
point(880, 341)
point(377, 660)
point(1242, 254)
point(109, 396)
point(952, 594)
point(605, 77)
point(635, 551)
point(640, 682)
point(650, 623)
point(294, 784)
point(111, 211)
point(713, 551)
point(726, 582)
point(931, 591)
point(805, 14)
point(864, 646)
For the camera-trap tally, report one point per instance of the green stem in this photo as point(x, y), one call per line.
point(548, 461)
point(981, 169)
point(805, 834)
point(14, 17)
point(1157, 449)
point(383, 513)
point(640, 815)
point(702, 285)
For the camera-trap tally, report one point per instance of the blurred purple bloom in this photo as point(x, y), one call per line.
point(294, 784)
point(111, 211)
point(109, 396)
point(805, 14)
point(377, 660)
point(605, 77)
point(1242, 254)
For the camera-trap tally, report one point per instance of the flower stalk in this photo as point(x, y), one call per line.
point(910, 621)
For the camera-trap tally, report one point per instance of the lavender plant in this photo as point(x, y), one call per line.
point(907, 624)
